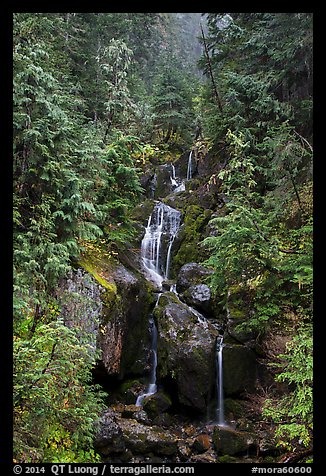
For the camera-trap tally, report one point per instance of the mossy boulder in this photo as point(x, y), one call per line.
point(156, 404)
point(228, 441)
point(109, 438)
point(195, 219)
point(117, 434)
point(142, 439)
point(129, 391)
point(233, 408)
point(186, 349)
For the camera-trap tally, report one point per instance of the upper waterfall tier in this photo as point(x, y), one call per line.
point(161, 230)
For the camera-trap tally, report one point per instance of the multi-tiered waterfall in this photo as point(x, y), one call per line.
point(161, 230)
point(156, 247)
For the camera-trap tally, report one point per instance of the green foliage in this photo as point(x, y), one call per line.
point(172, 104)
point(262, 242)
point(293, 413)
point(240, 249)
point(263, 66)
point(55, 406)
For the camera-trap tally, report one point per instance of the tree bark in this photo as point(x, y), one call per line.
point(209, 64)
point(37, 315)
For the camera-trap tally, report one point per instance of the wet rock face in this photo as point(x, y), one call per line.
point(186, 348)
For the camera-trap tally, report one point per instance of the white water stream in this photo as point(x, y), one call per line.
point(164, 224)
point(189, 170)
point(219, 381)
point(151, 387)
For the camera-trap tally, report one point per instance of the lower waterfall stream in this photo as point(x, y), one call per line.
point(152, 387)
point(219, 381)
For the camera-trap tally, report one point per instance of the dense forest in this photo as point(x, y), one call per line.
point(163, 194)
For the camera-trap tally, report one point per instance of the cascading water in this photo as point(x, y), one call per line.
point(179, 185)
point(189, 169)
point(219, 381)
point(163, 222)
point(173, 177)
point(151, 387)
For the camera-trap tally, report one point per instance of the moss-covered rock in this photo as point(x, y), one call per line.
point(142, 439)
point(195, 219)
point(127, 300)
point(227, 459)
point(230, 442)
point(129, 390)
point(109, 438)
point(156, 404)
point(117, 434)
point(233, 409)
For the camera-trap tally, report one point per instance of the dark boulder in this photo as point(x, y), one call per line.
point(109, 439)
point(156, 404)
point(123, 336)
point(186, 349)
point(142, 439)
point(191, 274)
point(199, 297)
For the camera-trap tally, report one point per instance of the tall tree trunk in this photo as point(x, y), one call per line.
point(37, 315)
point(209, 64)
point(168, 134)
